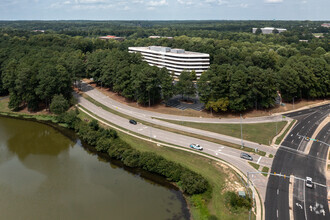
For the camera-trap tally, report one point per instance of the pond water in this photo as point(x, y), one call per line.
point(46, 175)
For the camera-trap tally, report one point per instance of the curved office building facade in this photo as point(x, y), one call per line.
point(175, 60)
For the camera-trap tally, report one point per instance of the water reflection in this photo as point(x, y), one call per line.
point(43, 175)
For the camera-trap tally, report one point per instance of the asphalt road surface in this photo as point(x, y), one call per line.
point(148, 116)
point(226, 153)
point(291, 159)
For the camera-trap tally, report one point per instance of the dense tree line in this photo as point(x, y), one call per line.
point(33, 75)
point(107, 141)
point(126, 74)
point(246, 70)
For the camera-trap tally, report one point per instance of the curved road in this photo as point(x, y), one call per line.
point(148, 116)
point(226, 153)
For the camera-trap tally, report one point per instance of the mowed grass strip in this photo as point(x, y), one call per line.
point(262, 133)
point(265, 169)
point(280, 138)
point(256, 166)
point(217, 141)
point(202, 206)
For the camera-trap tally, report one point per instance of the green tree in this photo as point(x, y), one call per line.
point(59, 104)
point(185, 86)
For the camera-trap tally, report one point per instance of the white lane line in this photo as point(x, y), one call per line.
point(259, 160)
point(277, 213)
point(278, 191)
point(305, 201)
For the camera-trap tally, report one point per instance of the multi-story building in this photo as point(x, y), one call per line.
point(268, 30)
point(111, 37)
point(175, 60)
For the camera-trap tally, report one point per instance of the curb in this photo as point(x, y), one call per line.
point(258, 200)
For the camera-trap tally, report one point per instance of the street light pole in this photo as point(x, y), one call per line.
point(241, 132)
point(293, 103)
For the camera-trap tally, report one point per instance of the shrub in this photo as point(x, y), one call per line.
point(236, 202)
point(193, 183)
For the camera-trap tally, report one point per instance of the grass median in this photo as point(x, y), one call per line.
point(280, 138)
point(262, 133)
point(220, 177)
point(217, 141)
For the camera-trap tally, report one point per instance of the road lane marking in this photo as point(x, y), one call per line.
point(278, 191)
point(259, 160)
point(277, 213)
point(300, 206)
point(305, 202)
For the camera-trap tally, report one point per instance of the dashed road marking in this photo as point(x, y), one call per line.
point(259, 160)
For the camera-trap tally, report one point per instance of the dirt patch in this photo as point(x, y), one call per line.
point(232, 183)
point(162, 108)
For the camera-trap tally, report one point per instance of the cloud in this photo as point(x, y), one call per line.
point(273, 1)
point(183, 2)
point(157, 3)
point(216, 2)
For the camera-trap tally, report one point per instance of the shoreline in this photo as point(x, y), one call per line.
point(148, 176)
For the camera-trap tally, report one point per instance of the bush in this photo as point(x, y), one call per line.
point(70, 118)
point(193, 183)
point(106, 140)
point(59, 104)
point(236, 202)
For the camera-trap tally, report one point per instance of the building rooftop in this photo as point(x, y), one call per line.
point(168, 50)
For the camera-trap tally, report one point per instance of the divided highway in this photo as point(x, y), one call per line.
point(291, 159)
point(226, 153)
point(149, 116)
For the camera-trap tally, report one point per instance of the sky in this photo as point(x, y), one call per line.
point(164, 9)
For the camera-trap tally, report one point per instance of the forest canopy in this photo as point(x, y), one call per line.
point(247, 70)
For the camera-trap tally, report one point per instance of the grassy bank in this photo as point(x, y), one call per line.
point(262, 133)
point(220, 177)
point(228, 144)
point(280, 138)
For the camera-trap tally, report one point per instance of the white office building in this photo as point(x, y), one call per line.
point(269, 30)
point(175, 60)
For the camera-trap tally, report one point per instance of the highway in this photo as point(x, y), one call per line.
point(291, 159)
point(148, 116)
point(226, 153)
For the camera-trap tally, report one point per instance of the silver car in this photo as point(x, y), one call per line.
point(246, 156)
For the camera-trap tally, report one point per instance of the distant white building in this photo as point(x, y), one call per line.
point(175, 60)
point(269, 30)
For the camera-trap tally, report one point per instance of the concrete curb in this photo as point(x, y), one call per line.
point(282, 131)
point(258, 199)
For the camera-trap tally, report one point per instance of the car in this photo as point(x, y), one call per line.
point(309, 182)
point(246, 156)
point(132, 122)
point(196, 146)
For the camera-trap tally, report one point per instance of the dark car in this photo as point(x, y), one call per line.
point(132, 122)
point(246, 156)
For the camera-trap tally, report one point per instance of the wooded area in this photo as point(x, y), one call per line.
point(246, 69)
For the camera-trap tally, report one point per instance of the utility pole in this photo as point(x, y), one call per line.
point(293, 102)
point(241, 132)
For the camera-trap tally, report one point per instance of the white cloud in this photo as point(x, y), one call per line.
point(157, 3)
point(89, 1)
point(217, 2)
point(273, 1)
point(183, 2)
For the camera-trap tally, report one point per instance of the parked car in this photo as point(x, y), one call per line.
point(246, 156)
point(309, 182)
point(132, 122)
point(196, 146)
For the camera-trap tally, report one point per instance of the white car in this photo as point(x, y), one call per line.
point(309, 182)
point(196, 146)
